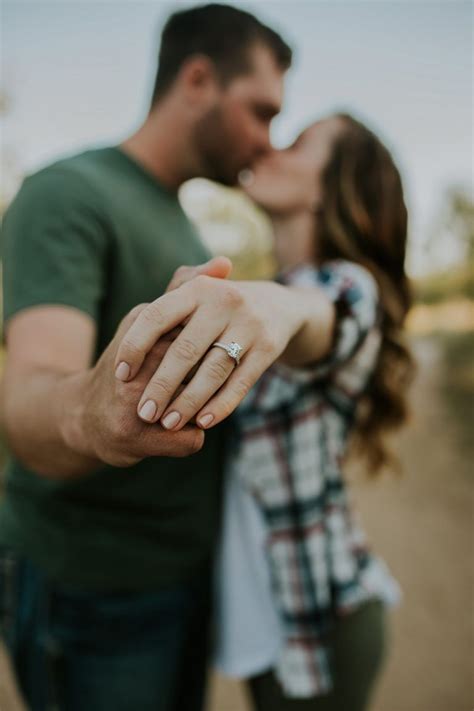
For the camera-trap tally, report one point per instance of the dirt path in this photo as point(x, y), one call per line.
point(422, 525)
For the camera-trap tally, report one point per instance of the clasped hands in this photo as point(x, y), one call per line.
point(161, 362)
point(195, 381)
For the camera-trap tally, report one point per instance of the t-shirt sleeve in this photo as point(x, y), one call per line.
point(54, 245)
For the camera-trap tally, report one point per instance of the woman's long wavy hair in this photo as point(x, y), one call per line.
point(363, 218)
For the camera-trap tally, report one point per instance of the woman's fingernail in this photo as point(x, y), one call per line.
point(122, 371)
point(171, 419)
point(206, 420)
point(148, 410)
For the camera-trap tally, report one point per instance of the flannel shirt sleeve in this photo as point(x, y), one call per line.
point(353, 291)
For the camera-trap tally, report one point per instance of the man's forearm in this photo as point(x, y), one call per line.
point(41, 419)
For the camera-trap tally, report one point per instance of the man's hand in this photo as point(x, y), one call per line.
point(106, 425)
point(64, 417)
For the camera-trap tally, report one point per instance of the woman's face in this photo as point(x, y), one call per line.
point(287, 181)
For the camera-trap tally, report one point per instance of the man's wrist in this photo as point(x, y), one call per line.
point(71, 406)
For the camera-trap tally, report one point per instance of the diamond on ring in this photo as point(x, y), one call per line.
point(232, 349)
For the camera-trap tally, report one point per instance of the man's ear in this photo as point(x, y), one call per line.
point(199, 80)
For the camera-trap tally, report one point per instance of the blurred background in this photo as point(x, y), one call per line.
point(77, 74)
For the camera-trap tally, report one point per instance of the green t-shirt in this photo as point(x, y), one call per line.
point(97, 232)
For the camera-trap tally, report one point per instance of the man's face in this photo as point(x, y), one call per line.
point(235, 132)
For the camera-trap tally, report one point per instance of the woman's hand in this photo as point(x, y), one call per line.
point(261, 316)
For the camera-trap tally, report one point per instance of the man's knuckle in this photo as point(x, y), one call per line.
point(190, 443)
point(122, 460)
point(197, 441)
point(118, 429)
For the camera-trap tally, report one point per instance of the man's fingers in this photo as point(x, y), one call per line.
point(157, 442)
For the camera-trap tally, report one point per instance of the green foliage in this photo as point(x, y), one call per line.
point(454, 283)
point(457, 383)
point(456, 224)
point(460, 218)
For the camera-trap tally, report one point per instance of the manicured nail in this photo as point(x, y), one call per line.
point(171, 419)
point(148, 410)
point(206, 420)
point(122, 371)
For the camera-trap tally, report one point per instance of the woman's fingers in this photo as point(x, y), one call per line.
point(213, 372)
point(244, 376)
point(156, 319)
point(214, 310)
point(186, 350)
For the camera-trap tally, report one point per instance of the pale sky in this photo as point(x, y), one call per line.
point(78, 74)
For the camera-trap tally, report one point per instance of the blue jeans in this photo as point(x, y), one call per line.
point(76, 650)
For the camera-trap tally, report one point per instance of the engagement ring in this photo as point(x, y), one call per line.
point(232, 349)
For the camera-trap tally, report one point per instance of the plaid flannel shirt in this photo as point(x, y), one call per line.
point(291, 434)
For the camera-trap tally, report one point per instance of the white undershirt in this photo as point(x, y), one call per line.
point(248, 627)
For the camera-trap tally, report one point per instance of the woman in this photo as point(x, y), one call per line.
point(301, 597)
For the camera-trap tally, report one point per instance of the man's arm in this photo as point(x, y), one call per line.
point(49, 349)
point(64, 418)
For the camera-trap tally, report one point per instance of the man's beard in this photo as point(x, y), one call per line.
point(215, 149)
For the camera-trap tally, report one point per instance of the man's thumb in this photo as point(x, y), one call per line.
point(219, 267)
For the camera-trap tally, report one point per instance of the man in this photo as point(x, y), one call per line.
point(107, 524)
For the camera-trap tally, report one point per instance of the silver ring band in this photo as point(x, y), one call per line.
point(232, 349)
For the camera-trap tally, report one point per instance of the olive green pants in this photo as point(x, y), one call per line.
point(358, 642)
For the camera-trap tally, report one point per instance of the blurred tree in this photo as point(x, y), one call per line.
point(451, 244)
point(460, 218)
